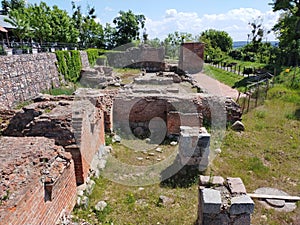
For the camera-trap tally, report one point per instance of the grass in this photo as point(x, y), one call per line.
point(60, 91)
point(228, 78)
point(265, 155)
point(127, 75)
point(136, 205)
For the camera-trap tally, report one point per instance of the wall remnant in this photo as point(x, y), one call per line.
point(223, 202)
point(194, 145)
point(149, 58)
point(22, 77)
point(37, 181)
point(191, 57)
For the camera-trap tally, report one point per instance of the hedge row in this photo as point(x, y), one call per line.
point(69, 64)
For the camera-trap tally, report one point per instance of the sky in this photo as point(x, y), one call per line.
point(192, 16)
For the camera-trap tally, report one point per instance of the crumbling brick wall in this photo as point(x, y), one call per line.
point(28, 165)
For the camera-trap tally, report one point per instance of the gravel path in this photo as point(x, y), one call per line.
point(215, 87)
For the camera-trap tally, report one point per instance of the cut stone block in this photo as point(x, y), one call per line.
point(211, 201)
point(215, 180)
point(241, 204)
point(236, 185)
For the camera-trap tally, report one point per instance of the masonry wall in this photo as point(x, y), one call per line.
point(33, 209)
point(191, 57)
point(24, 76)
point(148, 58)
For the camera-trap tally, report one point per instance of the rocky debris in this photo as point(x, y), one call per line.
point(116, 138)
point(174, 143)
point(238, 126)
point(276, 204)
point(48, 119)
point(159, 150)
point(165, 201)
point(101, 205)
point(98, 77)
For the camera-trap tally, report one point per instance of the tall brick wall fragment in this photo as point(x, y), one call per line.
point(191, 57)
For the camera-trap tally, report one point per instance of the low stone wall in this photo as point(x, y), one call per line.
point(148, 58)
point(22, 77)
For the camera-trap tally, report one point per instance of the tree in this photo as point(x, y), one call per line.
point(218, 39)
point(19, 19)
point(40, 21)
point(156, 43)
point(12, 5)
point(288, 29)
point(90, 31)
point(173, 41)
point(127, 27)
point(62, 26)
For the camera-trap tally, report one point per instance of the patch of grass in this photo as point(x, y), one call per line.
point(127, 75)
point(266, 154)
point(228, 78)
point(23, 104)
point(60, 91)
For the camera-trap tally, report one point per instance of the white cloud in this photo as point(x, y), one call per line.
point(97, 20)
point(235, 22)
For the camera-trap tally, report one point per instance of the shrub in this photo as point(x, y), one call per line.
point(69, 64)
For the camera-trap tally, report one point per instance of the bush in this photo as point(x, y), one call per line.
point(69, 64)
point(93, 55)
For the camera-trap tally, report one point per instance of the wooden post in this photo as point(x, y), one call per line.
point(257, 95)
point(249, 99)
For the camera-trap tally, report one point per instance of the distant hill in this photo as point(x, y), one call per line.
point(238, 44)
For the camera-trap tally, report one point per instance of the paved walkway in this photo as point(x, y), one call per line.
point(215, 87)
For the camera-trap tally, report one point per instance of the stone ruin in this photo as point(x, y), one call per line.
point(149, 58)
point(61, 138)
point(154, 95)
point(99, 77)
point(223, 202)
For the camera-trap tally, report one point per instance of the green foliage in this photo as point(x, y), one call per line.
point(61, 91)
point(173, 41)
point(93, 55)
point(69, 64)
point(19, 19)
point(217, 39)
point(127, 27)
point(256, 165)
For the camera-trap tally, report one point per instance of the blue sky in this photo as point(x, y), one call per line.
point(193, 16)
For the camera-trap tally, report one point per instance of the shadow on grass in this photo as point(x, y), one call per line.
point(297, 114)
point(185, 177)
point(244, 82)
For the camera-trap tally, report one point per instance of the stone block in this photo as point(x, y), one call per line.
point(241, 204)
point(236, 185)
point(215, 180)
point(211, 201)
point(244, 219)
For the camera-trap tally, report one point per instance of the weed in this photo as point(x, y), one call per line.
point(23, 104)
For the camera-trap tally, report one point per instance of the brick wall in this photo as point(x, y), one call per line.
point(27, 165)
point(191, 57)
point(33, 209)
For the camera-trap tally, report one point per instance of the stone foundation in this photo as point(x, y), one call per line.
point(223, 202)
